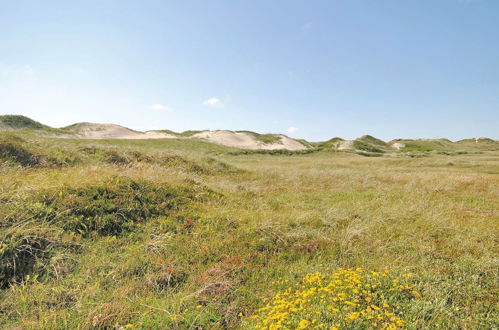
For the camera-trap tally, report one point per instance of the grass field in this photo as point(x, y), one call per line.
point(186, 234)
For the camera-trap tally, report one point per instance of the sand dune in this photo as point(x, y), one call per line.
point(248, 141)
point(112, 131)
point(227, 138)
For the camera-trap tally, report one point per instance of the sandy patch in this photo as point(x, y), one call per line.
point(226, 138)
point(112, 131)
point(346, 145)
point(398, 145)
point(247, 141)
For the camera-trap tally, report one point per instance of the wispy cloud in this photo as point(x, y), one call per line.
point(213, 103)
point(307, 26)
point(161, 107)
point(28, 70)
point(292, 130)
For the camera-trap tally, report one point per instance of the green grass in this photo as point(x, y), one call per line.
point(189, 133)
point(264, 138)
point(372, 140)
point(187, 234)
point(17, 122)
point(330, 144)
point(365, 146)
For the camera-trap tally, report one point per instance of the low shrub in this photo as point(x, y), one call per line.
point(343, 298)
point(12, 153)
point(119, 205)
point(361, 145)
point(25, 249)
point(369, 154)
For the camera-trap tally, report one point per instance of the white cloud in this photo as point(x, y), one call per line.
point(160, 107)
point(307, 26)
point(28, 70)
point(292, 130)
point(213, 102)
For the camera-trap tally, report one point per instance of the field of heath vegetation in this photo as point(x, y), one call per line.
point(185, 234)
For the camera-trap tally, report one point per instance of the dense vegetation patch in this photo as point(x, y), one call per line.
point(206, 166)
point(343, 298)
point(372, 140)
point(118, 205)
point(27, 248)
point(364, 146)
point(15, 151)
point(32, 228)
point(369, 154)
point(17, 122)
point(264, 138)
point(330, 144)
point(189, 133)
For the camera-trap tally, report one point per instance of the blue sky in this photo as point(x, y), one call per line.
point(314, 69)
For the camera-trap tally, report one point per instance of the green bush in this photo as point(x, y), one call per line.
point(361, 145)
point(16, 122)
point(25, 249)
point(117, 206)
point(13, 153)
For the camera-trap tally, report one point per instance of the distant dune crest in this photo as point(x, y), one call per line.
point(248, 139)
point(112, 131)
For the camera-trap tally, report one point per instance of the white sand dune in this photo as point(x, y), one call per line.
point(112, 131)
point(248, 141)
point(227, 138)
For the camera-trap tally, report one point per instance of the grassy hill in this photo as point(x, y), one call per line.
point(330, 144)
point(445, 145)
point(373, 141)
point(19, 122)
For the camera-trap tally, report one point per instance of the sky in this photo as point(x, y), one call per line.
point(310, 69)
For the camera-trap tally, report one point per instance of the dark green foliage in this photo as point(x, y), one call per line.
point(329, 144)
point(24, 251)
point(208, 166)
point(17, 122)
point(265, 138)
point(14, 153)
point(188, 133)
point(216, 166)
point(35, 228)
point(114, 157)
point(361, 145)
point(372, 140)
point(369, 154)
point(167, 131)
point(117, 206)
